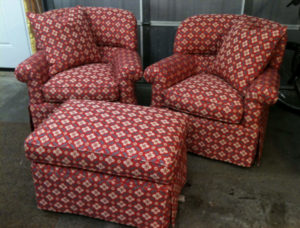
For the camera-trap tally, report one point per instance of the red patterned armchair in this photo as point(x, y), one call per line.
point(110, 73)
point(224, 73)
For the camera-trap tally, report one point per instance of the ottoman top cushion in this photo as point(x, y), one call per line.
point(112, 138)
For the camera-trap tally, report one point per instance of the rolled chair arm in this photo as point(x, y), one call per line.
point(170, 70)
point(34, 68)
point(265, 88)
point(128, 69)
point(166, 73)
point(127, 65)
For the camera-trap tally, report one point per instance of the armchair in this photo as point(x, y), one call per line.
point(112, 78)
point(227, 114)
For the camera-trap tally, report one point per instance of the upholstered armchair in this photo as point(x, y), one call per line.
point(104, 37)
point(224, 74)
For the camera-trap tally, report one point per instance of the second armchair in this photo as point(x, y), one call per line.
point(223, 73)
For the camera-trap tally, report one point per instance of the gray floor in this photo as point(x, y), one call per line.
point(218, 194)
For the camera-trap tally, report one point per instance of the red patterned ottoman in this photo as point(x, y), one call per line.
point(117, 162)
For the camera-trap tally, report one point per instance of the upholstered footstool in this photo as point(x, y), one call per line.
point(117, 162)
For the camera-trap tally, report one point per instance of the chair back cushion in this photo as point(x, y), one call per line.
point(245, 52)
point(203, 34)
point(278, 52)
point(110, 26)
point(113, 27)
point(67, 39)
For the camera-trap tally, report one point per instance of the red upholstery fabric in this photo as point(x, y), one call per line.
point(127, 64)
point(111, 138)
point(35, 70)
point(117, 199)
point(93, 81)
point(113, 27)
point(231, 143)
point(278, 52)
point(107, 53)
point(202, 61)
point(265, 88)
point(207, 96)
point(117, 162)
point(245, 52)
point(68, 40)
point(40, 112)
point(197, 43)
point(202, 34)
point(166, 73)
point(128, 69)
point(54, 14)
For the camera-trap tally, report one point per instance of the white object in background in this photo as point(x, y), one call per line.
point(181, 198)
point(14, 38)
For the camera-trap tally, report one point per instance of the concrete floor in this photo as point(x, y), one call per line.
point(218, 194)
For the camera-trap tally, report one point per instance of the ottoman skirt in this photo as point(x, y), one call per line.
point(112, 198)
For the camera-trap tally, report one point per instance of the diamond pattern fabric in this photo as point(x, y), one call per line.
point(202, 61)
point(117, 162)
point(68, 40)
point(278, 52)
point(202, 34)
point(34, 68)
point(38, 34)
point(113, 27)
point(265, 88)
point(226, 142)
point(128, 69)
point(236, 136)
point(207, 96)
point(113, 138)
point(245, 52)
point(110, 26)
point(40, 112)
point(118, 52)
point(166, 73)
point(92, 81)
point(122, 200)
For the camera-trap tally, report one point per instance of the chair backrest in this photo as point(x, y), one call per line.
point(203, 34)
point(111, 27)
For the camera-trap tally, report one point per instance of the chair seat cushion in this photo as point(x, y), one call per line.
point(93, 81)
point(208, 96)
point(111, 138)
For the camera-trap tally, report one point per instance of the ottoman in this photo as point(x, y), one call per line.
point(117, 162)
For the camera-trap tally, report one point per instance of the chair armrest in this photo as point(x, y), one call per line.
point(170, 70)
point(34, 68)
point(264, 89)
point(127, 65)
point(166, 73)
